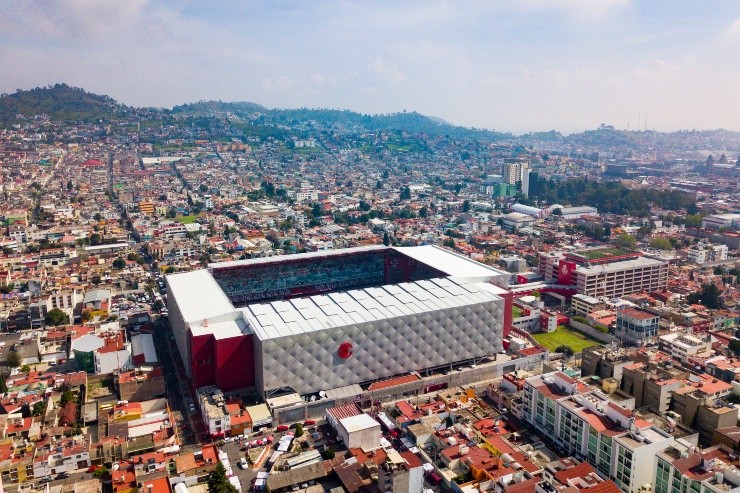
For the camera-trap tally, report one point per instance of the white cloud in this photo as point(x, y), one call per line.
point(388, 71)
point(733, 31)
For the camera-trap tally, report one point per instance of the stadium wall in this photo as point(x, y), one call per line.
point(309, 362)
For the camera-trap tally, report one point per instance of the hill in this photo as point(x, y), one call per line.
point(60, 102)
point(202, 108)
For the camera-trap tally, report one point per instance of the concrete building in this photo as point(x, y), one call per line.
point(584, 305)
point(514, 170)
point(604, 272)
point(604, 362)
point(514, 221)
point(360, 431)
point(702, 406)
point(213, 409)
point(401, 473)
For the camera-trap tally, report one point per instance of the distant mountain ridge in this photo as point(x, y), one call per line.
point(60, 102)
point(65, 103)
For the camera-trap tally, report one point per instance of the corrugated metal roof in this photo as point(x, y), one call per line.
point(287, 318)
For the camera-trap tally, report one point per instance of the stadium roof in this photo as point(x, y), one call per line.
point(450, 263)
point(302, 256)
point(303, 315)
point(198, 296)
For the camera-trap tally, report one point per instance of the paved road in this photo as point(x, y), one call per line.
point(177, 391)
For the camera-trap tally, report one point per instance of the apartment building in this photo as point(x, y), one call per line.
point(585, 423)
point(704, 252)
point(687, 470)
point(636, 326)
point(683, 346)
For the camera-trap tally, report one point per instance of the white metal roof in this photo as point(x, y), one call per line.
point(302, 315)
point(450, 263)
point(197, 295)
point(144, 344)
point(358, 423)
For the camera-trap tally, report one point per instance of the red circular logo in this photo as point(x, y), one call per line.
point(345, 350)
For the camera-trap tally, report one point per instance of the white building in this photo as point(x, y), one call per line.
point(717, 221)
point(213, 410)
point(704, 252)
point(360, 431)
point(683, 346)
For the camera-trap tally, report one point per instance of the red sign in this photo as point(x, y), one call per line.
point(566, 272)
point(345, 350)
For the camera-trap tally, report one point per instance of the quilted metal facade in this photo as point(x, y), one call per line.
point(309, 362)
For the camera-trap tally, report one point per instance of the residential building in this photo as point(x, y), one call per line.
point(588, 425)
point(636, 326)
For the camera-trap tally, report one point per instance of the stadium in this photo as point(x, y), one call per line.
point(319, 321)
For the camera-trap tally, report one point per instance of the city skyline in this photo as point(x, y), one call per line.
point(567, 65)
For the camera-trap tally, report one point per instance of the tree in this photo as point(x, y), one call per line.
point(298, 430)
point(25, 369)
point(56, 317)
point(709, 296)
point(423, 212)
point(449, 242)
point(557, 211)
point(39, 409)
point(466, 206)
point(734, 346)
point(626, 241)
point(660, 243)
point(119, 264)
point(386, 239)
point(607, 231)
point(405, 194)
point(3, 385)
point(565, 350)
point(218, 482)
point(14, 359)
point(102, 472)
point(170, 269)
point(67, 396)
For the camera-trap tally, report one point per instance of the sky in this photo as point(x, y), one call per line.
point(506, 65)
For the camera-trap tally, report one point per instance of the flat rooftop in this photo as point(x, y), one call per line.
point(637, 263)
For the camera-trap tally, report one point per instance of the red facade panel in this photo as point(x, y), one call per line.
point(235, 363)
point(202, 360)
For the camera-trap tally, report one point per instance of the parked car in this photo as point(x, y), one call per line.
point(45, 479)
point(243, 463)
point(283, 428)
point(63, 475)
point(309, 422)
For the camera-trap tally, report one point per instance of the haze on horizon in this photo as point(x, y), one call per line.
point(508, 65)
